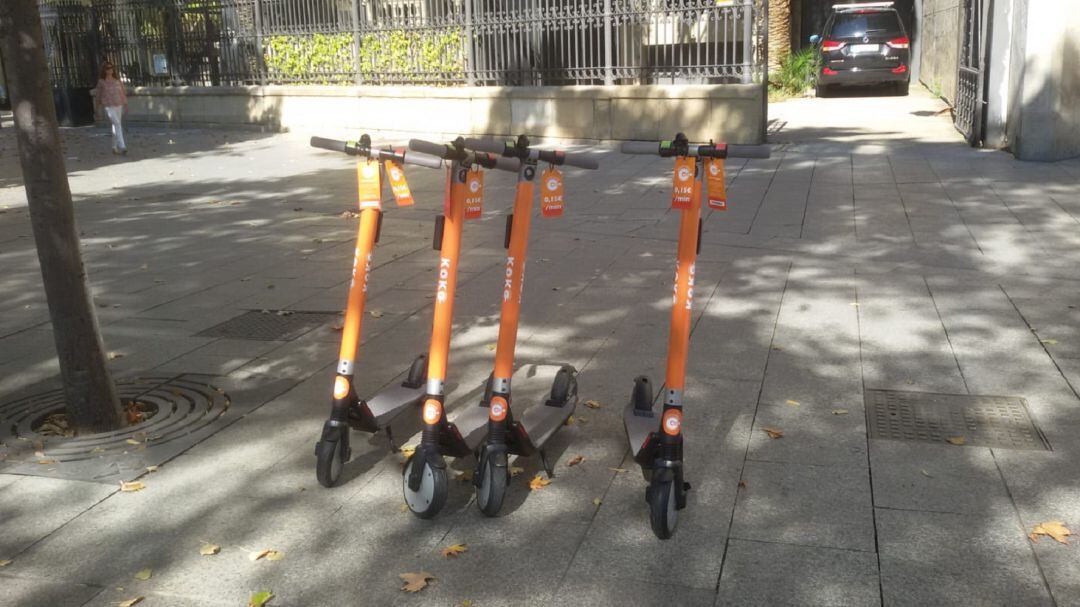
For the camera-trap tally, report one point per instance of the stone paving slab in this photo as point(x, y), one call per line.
point(962, 264)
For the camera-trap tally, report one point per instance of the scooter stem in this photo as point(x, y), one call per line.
point(513, 278)
point(354, 311)
point(679, 338)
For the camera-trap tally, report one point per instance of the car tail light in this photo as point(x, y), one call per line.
point(900, 69)
point(828, 71)
point(833, 45)
point(899, 42)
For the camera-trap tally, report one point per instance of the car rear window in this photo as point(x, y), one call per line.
point(857, 25)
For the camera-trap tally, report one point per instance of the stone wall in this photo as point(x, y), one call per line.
point(730, 112)
point(939, 54)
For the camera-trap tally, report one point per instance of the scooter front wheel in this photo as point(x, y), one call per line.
point(663, 510)
point(330, 458)
point(430, 496)
point(492, 488)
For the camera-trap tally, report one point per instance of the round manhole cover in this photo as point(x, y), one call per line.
point(173, 408)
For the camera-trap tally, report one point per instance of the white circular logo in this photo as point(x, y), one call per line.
point(713, 169)
point(552, 184)
point(369, 171)
point(497, 409)
point(474, 185)
point(395, 174)
point(684, 174)
point(672, 422)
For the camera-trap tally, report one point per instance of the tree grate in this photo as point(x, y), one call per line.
point(270, 325)
point(1000, 422)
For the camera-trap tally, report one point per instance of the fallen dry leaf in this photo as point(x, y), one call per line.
point(491, 347)
point(115, 355)
point(268, 554)
point(592, 404)
point(5, 562)
point(778, 348)
point(209, 549)
point(144, 574)
point(515, 470)
point(539, 482)
point(569, 421)
point(464, 475)
point(773, 432)
point(454, 550)
point(415, 582)
point(1049, 342)
point(408, 451)
point(1055, 529)
point(926, 474)
point(130, 602)
point(742, 484)
point(151, 468)
point(132, 486)
point(376, 313)
point(577, 459)
point(617, 470)
point(597, 501)
point(792, 403)
point(258, 599)
point(956, 440)
point(48, 461)
point(132, 441)
point(839, 411)
point(275, 555)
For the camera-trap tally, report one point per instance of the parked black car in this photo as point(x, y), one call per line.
point(863, 44)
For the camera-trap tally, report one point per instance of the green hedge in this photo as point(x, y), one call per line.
point(328, 58)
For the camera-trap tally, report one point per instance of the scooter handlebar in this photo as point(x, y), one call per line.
point(557, 157)
point(682, 147)
point(329, 144)
point(440, 150)
point(423, 160)
point(507, 164)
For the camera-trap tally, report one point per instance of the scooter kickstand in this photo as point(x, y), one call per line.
point(547, 467)
point(390, 440)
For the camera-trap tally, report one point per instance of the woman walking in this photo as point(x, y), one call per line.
point(110, 94)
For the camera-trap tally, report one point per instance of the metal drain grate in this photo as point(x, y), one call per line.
point(269, 325)
point(983, 421)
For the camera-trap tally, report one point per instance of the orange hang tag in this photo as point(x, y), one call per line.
point(683, 187)
point(714, 173)
point(368, 186)
point(551, 192)
point(396, 174)
point(474, 194)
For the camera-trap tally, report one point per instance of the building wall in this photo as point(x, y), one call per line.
point(939, 60)
point(734, 113)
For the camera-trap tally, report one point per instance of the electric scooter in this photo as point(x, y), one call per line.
point(656, 438)
point(527, 434)
point(347, 409)
point(425, 475)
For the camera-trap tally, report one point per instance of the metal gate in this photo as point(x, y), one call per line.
point(970, 116)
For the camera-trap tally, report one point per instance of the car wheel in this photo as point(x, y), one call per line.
point(822, 90)
point(902, 88)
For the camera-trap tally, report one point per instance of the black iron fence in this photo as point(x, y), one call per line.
point(433, 42)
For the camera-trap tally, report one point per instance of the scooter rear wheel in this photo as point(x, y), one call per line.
point(430, 497)
point(663, 512)
point(491, 491)
point(330, 458)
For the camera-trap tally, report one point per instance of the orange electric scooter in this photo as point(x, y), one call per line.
point(425, 477)
point(656, 438)
point(348, 410)
point(527, 434)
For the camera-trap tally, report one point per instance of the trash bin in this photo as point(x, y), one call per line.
point(74, 105)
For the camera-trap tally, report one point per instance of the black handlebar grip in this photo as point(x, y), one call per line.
point(507, 164)
point(492, 146)
point(423, 160)
point(581, 161)
point(427, 147)
point(641, 147)
point(748, 151)
point(328, 144)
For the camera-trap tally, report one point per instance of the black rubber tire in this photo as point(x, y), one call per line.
point(430, 499)
point(491, 491)
point(821, 91)
point(902, 88)
point(563, 383)
point(418, 371)
point(663, 514)
point(330, 458)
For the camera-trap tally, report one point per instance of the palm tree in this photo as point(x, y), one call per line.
point(779, 32)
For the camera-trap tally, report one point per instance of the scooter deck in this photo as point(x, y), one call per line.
point(470, 425)
point(542, 421)
point(395, 400)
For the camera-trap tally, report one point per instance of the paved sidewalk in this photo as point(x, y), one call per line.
point(873, 251)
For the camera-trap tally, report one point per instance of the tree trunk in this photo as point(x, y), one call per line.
point(92, 403)
point(779, 32)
